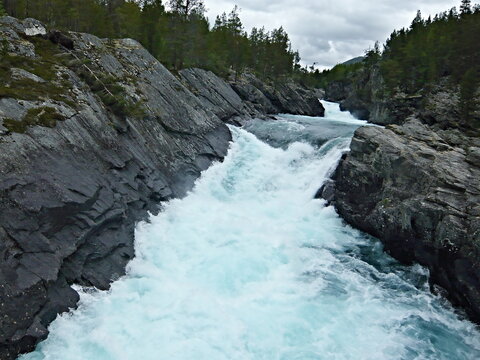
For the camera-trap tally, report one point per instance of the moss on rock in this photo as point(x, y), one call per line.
point(42, 116)
point(46, 66)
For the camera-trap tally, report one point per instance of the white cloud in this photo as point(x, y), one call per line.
point(329, 32)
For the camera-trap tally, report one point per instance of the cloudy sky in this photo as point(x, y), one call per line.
point(330, 31)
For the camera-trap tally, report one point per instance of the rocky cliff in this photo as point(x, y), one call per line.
point(415, 184)
point(438, 104)
point(363, 93)
point(94, 134)
point(285, 97)
point(418, 189)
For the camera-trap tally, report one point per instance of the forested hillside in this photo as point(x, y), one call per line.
point(430, 49)
point(176, 32)
point(444, 49)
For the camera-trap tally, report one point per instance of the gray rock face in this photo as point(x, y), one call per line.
point(442, 107)
point(363, 94)
point(356, 107)
point(394, 110)
point(338, 91)
point(281, 98)
point(419, 192)
point(20, 74)
point(356, 93)
point(217, 95)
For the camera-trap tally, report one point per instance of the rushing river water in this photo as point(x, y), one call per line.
point(249, 266)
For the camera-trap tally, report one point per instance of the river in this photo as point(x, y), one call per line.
point(249, 266)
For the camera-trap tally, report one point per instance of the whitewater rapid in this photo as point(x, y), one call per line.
point(249, 266)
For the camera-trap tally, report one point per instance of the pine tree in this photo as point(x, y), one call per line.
point(238, 50)
point(234, 23)
point(187, 33)
point(372, 56)
point(417, 21)
point(2, 10)
point(468, 87)
point(466, 7)
point(153, 26)
point(186, 8)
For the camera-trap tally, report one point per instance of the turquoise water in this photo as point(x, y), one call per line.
point(250, 266)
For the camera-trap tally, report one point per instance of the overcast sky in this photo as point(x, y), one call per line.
point(330, 31)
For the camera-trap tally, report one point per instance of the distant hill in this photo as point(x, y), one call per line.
point(355, 60)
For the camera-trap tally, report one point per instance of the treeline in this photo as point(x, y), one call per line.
point(447, 45)
point(176, 32)
point(413, 59)
point(430, 49)
point(339, 72)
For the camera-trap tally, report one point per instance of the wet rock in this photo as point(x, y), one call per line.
point(356, 107)
point(419, 193)
point(216, 95)
point(327, 191)
point(284, 97)
point(254, 98)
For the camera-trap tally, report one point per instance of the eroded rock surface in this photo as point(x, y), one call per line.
point(418, 190)
point(280, 98)
point(218, 96)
